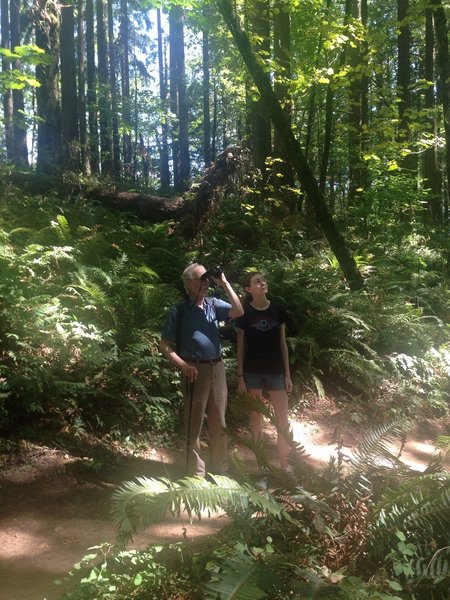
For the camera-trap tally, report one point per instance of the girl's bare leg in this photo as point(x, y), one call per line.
point(256, 418)
point(279, 401)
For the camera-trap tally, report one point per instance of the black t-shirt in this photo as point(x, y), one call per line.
point(262, 341)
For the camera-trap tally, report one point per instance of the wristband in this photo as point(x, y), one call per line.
point(240, 376)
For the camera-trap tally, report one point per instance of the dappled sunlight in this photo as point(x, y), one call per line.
point(23, 544)
point(417, 454)
point(314, 441)
point(176, 528)
point(318, 444)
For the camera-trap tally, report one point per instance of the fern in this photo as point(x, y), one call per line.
point(61, 226)
point(140, 503)
point(436, 568)
point(237, 580)
point(421, 503)
point(358, 371)
point(373, 450)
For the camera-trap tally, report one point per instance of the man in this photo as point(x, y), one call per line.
point(191, 341)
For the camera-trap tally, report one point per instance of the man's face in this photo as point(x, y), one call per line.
point(196, 287)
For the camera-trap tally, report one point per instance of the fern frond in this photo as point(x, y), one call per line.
point(438, 567)
point(62, 228)
point(237, 580)
point(373, 450)
point(421, 504)
point(119, 264)
point(140, 503)
point(359, 371)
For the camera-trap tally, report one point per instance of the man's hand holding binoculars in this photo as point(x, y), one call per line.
point(217, 277)
point(214, 275)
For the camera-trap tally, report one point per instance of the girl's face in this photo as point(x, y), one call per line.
point(258, 285)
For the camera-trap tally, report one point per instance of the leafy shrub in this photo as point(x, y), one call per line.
point(80, 318)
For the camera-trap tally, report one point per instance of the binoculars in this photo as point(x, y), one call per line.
point(211, 273)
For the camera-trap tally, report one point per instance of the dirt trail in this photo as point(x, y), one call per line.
point(54, 505)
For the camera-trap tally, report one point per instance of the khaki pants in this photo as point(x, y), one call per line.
point(208, 395)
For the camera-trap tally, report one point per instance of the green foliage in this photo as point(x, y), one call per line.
point(80, 318)
point(288, 542)
point(145, 501)
point(106, 573)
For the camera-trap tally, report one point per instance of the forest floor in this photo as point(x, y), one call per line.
point(55, 498)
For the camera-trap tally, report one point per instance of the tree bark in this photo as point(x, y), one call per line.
point(94, 156)
point(404, 70)
point(284, 176)
point(207, 155)
point(69, 98)
point(126, 100)
point(300, 164)
point(20, 149)
point(49, 142)
point(178, 104)
point(431, 172)
point(81, 83)
point(260, 130)
point(440, 28)
point(7, 96)
point(113, 88)
point(164, 172)
point(357, 109)
point(104, 97)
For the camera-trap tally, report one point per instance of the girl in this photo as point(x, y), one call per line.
point(263, 359)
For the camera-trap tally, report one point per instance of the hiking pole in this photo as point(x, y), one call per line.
point(189, 423)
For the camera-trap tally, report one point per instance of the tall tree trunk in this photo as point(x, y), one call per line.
point(283, 172)
point(20, 149)
point(185, 159)
point(92, 106)
point(404, 69)
point(164, 171)
point(113, 86)
point(81, 73)
point(327, 135)
point(329, 112)
point(106, 149)
point(173, 94)
point(214, 122)
point(293, 148)
point(7, 95)
point(69, 99)
point(49, 138)
point(431, 171)
point(357, 103)
point(135, 127)
point(126, 100)
point(260, 138)
point(440, 28)
point(178, 105)
point(207, 156)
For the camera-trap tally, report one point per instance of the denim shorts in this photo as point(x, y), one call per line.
point(264, 381)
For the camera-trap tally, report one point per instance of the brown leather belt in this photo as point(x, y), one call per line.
point(203, 361)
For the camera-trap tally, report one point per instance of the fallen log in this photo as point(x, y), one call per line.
point(186, 211)
point(146, 207)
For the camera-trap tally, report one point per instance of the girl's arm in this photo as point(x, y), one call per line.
point(285, 356)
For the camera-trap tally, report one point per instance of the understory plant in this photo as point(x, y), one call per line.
point(80, 318)
point(367, 526)
point(85, 292)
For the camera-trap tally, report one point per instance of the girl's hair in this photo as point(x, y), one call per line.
point(246, 282)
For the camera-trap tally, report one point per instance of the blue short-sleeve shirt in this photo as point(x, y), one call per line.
point(198, 330)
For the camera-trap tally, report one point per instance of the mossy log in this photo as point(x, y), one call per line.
point(186, 211)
